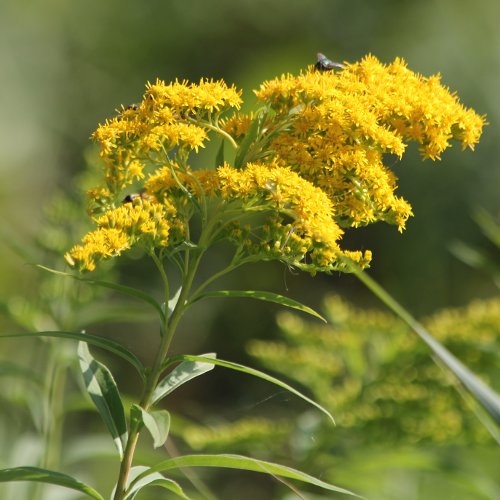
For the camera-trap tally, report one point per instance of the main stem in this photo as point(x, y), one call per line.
point(169, 328)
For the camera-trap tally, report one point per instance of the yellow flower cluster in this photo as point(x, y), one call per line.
point(345, 122)
point(308, 164)
point(169, 116)
point(142, 222)
point(311, 232)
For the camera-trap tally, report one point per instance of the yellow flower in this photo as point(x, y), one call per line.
point(144, 222)
point(346, 121)
point(177, 115)
point(312, 233)
point(311, 162)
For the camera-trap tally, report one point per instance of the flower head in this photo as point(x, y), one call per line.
point(119, 229)
point(310, 164)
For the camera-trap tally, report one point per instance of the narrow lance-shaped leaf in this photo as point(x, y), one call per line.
point(107, 344)
point(154, 479)
point(104, 393)
point(242, 463)
point(39, 475)
point(263, 295)
point(173, 301)
point(486, 396)
point(184, 372)
point(255, 373)
point(127, 290)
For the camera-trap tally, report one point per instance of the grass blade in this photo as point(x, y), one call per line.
point(486, 396)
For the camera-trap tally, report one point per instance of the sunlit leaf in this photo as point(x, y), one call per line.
point(173, 301)
point(156, 422)
point(242, 463)
point(253, 372)
point(154, 479)
point(181, 374)
point(95, 340)
point(104, 393)
point(263, 295)
point(47, 476)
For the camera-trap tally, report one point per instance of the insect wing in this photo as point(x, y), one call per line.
point(325, 64)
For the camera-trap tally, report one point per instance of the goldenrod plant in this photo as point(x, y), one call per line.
point(288, 180)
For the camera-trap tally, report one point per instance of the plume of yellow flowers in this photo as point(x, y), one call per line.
point(306, 166)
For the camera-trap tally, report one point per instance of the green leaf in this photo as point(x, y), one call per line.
point(104, 393)
point(47, 476)
point(181, 374)
point(219, 158)
point(156, 422)
point(242, 463)
point(266, 296)
point(173, 301)
point(154, 479)
point(95, 340)
point(127, 290)
point(253, 372)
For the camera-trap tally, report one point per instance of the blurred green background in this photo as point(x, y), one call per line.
point(66, 66)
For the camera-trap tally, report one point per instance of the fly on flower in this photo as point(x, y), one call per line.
point(325, 64)
point(130, 198)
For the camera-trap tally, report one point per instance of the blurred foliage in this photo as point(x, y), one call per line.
point(384, 389)
point(482, 259)
point(40, 379)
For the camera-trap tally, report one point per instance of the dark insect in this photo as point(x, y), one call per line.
point(130, 198)
point(325, 64)
point(132, 106)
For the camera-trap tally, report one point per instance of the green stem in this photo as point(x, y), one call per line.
point(218, 130)
point(168, 329)
point(212, 278)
